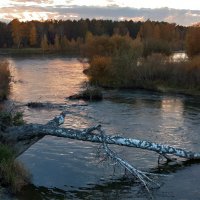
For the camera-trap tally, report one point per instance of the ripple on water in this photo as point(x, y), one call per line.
point(64, 168)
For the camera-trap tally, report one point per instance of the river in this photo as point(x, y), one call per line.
point(69, 169)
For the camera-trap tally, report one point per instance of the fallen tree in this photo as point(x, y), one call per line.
point(20, 138)
point(27, 135)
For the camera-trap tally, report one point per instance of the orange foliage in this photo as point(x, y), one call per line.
point(193, 41)
point(99, 69)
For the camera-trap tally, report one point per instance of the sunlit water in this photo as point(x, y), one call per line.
point(68, 169)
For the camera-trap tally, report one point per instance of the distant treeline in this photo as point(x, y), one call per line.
point(53, 34)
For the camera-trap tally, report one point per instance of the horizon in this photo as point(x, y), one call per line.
point(182, 13)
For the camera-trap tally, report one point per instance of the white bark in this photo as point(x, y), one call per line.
point(23, 137)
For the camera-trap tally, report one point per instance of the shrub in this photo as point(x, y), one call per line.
point(188, 74)
point(120, 62)
point(193, 41)
point(151, 70)
point(4, 79)
point(89, 94)
point(10, 119)
point(99, 70)
point(156, 46)
point(12, 173)
point(92, 94)
point(111, 62)
point(157, 70)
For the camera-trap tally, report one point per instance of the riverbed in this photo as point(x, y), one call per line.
point(70, 169)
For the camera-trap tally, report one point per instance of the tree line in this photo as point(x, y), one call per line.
point(64, 35)
point(52, 32)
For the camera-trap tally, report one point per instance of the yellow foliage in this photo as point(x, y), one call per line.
point(99, 65)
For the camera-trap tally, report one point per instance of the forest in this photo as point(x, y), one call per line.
point(53, 34)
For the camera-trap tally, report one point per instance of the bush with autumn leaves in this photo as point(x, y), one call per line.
point(120, 62)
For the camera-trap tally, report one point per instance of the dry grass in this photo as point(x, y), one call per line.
point(157, 70)
point(12, 173)
point(4, 79)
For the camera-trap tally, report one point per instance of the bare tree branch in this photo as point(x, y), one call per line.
point(140, 175)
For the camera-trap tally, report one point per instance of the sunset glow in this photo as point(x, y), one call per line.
point(101, 9)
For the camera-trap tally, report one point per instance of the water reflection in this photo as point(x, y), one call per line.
point(172, 120)
point(67, 169)
point(45, 79)
point(113, 189)
point(179, 56)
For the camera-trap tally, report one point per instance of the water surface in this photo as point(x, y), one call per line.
point(68, 169)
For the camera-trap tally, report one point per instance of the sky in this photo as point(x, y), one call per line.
point(184, 12)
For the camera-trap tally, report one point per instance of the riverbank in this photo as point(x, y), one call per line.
point(186, 92)
point(156, 73)
point(120, 62)
point(12, 173)
point(4, 79)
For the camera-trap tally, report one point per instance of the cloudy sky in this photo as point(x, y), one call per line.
point(184, 12)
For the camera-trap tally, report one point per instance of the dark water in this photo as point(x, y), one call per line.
point(68, 169)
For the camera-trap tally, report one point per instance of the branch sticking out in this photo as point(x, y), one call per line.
point(35, 132)
point(57, 120)
point(143, 177)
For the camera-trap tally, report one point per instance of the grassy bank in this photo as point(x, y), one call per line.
point(119, 62)
point(4, 79)
point(12, 173)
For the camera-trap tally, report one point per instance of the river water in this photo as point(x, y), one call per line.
point(70, 169)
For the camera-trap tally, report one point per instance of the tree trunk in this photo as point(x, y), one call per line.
point(22, 137)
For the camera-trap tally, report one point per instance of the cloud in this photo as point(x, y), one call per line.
point(192, 14)
point(111, 1)
point(34, 1)
point(134, 19)
point(113, 12)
